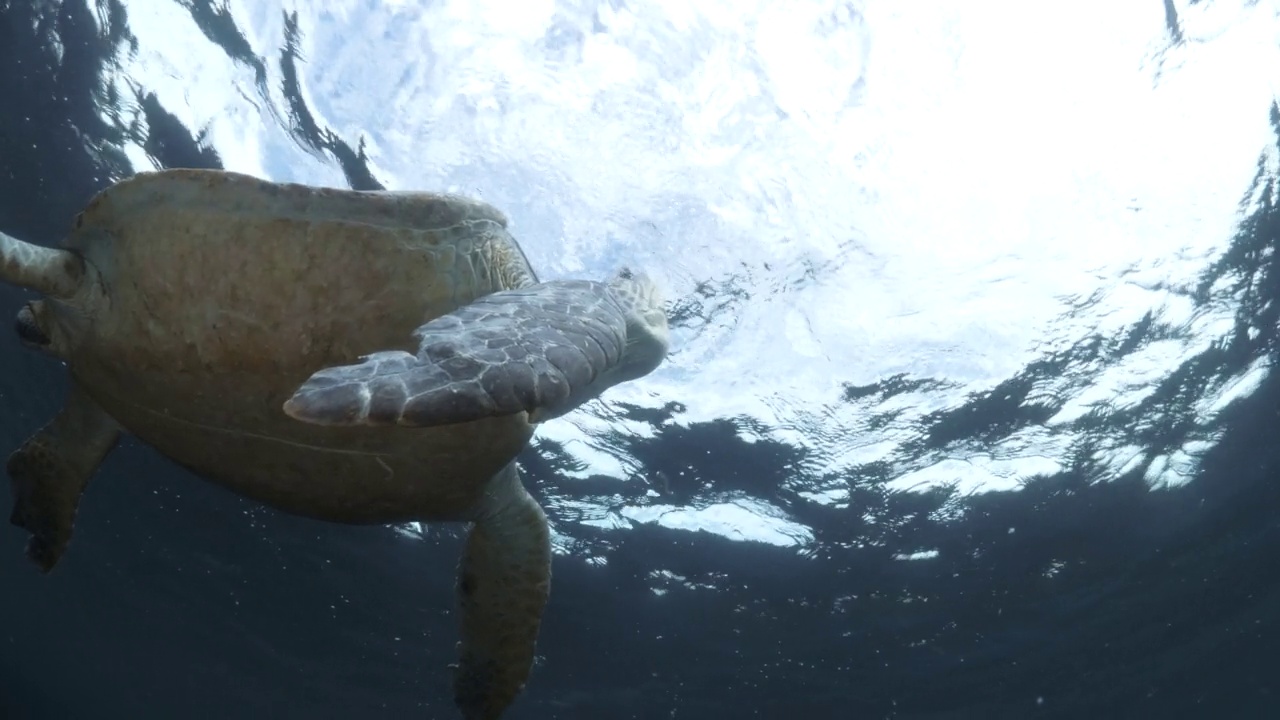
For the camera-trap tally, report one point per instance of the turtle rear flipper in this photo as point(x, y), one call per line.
point(504, 580)
point(50, 471)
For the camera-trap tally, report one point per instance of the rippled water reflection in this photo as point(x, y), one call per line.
point(975, 309)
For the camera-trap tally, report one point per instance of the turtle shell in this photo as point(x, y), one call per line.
point(218, 294)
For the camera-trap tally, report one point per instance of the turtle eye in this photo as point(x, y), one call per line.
point(28, 330)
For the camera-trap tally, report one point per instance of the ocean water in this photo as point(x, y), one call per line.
point(970, 411)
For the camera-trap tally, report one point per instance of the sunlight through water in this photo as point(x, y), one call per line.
point(874, 219)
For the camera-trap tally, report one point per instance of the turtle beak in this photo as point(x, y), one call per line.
point(28, 329)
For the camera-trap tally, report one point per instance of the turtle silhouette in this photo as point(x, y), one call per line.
point(357, 357)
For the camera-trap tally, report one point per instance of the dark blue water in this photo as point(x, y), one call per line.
point(178, 599)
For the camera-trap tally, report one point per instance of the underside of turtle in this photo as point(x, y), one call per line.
point(356, 357)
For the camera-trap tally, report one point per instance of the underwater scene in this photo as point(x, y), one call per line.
point(640, 359)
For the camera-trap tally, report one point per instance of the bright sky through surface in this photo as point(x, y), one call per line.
point(833, 193)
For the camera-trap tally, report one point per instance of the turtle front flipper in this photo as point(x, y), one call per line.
point(543, 350)
point(51, 469)
point(54, 272)
point(503, 583)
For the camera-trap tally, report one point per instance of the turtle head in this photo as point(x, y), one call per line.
point(29, 326)
point(58, 274)
point(647, 336)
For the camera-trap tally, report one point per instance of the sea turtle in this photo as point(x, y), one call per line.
point(358, 357)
